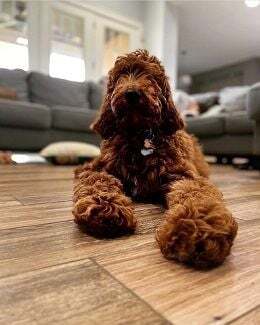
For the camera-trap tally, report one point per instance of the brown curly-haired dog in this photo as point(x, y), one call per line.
point(146, 154)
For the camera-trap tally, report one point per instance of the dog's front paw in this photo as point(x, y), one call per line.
point(105, 214)
point(193, 237)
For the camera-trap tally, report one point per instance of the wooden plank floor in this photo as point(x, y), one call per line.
point(52, 273)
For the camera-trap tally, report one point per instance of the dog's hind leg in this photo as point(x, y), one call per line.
point(198, 228)
point(100, 206)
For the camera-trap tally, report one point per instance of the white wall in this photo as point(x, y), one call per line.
point(161, 35)
point(153, 27)
point(171, 43)
point(39, 35)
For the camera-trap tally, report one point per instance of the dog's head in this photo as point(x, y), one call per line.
point(138, 98)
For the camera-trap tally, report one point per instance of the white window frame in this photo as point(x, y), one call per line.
point(103, 23)
point(95, 22)
point(39, 33)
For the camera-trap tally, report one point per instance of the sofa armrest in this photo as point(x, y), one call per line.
point(253, 102)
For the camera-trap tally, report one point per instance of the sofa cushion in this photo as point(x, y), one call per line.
point(16, 80)
point(24, 115)
point(54, 91)
point(206, 100)
point(234, 98)
point(238, 123)
point(206, 126)
point(72, 118)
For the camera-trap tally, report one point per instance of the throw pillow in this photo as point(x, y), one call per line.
point(6, 158)
point(69, 152)
point(206, 100)
point(7, 93)
point(16, 80)
point(215, 110)
point(185, 104)
point(233, 99)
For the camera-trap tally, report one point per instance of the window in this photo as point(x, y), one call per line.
point(116, 43)
point(13, 35)
point(67, 51)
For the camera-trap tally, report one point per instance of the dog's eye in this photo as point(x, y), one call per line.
point(117, 82)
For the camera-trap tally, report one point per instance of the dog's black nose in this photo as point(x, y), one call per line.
point(132, 96)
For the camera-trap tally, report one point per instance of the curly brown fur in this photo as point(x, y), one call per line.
point(100, 205)
point(198, 228)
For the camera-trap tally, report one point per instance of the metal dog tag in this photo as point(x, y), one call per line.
point(146, 152)
point(149, 147)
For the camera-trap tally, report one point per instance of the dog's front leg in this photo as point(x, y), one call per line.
point(198, 228)
point(100, 204)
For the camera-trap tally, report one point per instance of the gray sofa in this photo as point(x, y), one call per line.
point(50, 110)
point(253, 109)
point(46, 110)
point(231, 133)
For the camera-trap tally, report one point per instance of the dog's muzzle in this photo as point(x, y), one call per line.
point(132, 96)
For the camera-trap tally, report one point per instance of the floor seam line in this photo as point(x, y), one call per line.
point(242, 315)
point(45, 267)
point(36, 225)
point(130, 290)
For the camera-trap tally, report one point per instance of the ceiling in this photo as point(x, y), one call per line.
point(216, 33)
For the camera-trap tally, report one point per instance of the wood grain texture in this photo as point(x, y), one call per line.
point(37, 245)
point(52, 272)
point(184, 295)
point(74, 293)
point(250, 318)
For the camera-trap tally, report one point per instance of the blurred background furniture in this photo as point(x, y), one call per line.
point(231, 128)
point(46, 110)
point(253, 109)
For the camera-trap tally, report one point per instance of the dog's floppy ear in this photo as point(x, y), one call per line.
point(105, 124)
point(172, 120)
